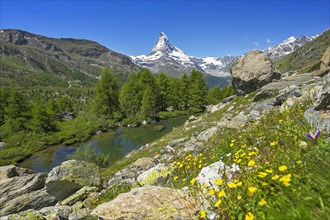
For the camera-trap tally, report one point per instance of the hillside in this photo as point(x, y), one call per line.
point(33, 60)
point(306, 58)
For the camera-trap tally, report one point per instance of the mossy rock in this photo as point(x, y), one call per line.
point(155, 175)
point(70, 176)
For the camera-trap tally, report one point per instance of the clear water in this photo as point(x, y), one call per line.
point(117, 144)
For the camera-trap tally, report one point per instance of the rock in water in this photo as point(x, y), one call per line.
point(149, 202)
point(252, 71)
point(70, 176)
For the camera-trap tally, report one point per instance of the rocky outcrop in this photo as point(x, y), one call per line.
point(325, 60)
point(149, 202)
point(252, 71)
point(22, 189)
point(154, 175)
point(70, 176)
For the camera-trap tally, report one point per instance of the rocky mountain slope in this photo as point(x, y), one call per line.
point(306, 58)
point(30, 59)
point(256, 152)
point(287, 46)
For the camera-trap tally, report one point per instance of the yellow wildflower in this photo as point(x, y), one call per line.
point(211, 192)
point(249, 216)
point(188, 167)
point(231, 144)
point(275, 177)
point(203, 186)
point(252, 190)
point(193, 181)
point(200, 166)
point(283, 168)
point(239, 197)
point(251, 163)
point(252, 153)
point(181, 165)
point(176, 178)
point(269, 171)
point(221, 193)
point(264, 183)
point(280, 121)
point(262, 202)
point(202, 214)
point(274, 143)
point(262, 174)
point(217, 204)
point(218, 182)
point(239, 183)
point(231, 185)
point(232, 141)
point(286, 179)
point(239, 161)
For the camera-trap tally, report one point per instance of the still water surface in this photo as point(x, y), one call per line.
point(117, 144)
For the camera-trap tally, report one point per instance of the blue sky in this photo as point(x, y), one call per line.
point(200, 28)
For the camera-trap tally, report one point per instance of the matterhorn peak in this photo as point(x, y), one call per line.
point(163, 44)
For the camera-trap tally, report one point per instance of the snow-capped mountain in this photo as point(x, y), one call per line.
point(287, 46)
point(165, 57)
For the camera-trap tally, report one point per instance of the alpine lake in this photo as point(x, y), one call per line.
point(116, 144)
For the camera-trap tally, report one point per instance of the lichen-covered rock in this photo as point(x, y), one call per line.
point(143, 162)
point(70, 176)
point(80, 195)
point(25, 215)
point(252, 71)
point(207, 134)
point(149, 202)
point(155, 175)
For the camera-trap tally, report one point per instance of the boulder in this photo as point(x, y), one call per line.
point(252, 71)
point(70, 176)
point(325, 60)
point(149, 202)
point(79, 214)
point(22, 189)
point(143, 162)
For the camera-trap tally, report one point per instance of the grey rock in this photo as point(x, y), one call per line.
point(70, 176)
point(318, 119)
point(33, 200)
point(79, 214)
point(207, 134)
point(252, 71)
point(177, 141)
point(170, 149)
point(10, 171)
point(56, 212)
point(253, 116)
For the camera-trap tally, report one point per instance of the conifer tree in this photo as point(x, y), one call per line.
point(106, 98)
